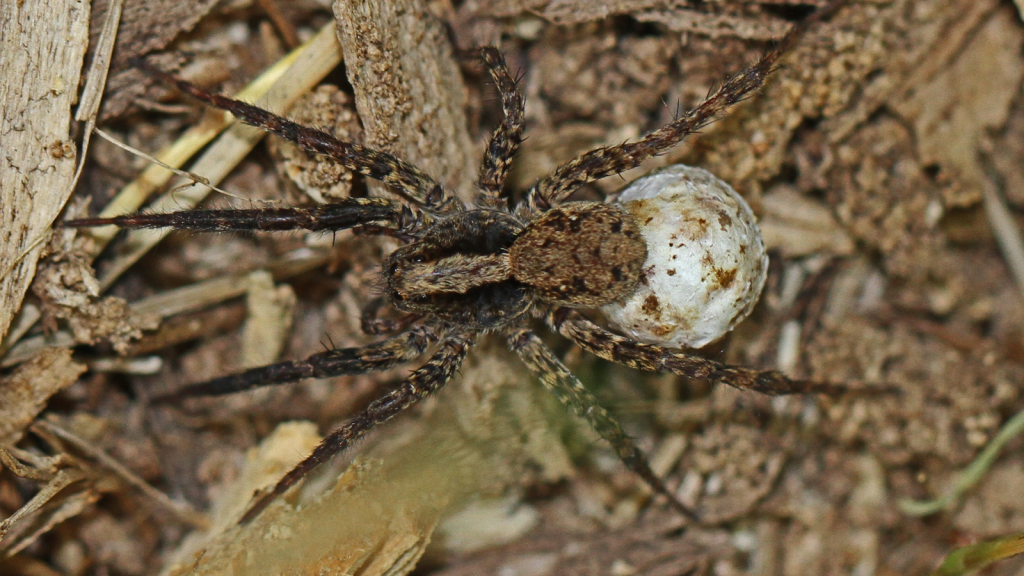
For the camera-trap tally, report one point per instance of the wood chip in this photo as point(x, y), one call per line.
point(409, 91)
point(270, 320)
point(24, 393)
point(43, 46)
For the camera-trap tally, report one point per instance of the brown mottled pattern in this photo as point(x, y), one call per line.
point(466, 245)
point(423, 382)
point(571, 392)
point(507, 136)
point(581, 254)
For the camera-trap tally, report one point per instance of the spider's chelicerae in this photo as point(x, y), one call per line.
point(467, 271)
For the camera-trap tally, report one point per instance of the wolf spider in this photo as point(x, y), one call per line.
point(468, 271)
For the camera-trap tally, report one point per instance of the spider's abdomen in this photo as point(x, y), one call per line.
point(580, 254)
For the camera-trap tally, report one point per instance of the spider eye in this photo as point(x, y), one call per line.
point(706, 262)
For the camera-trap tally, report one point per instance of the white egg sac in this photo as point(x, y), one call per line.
point(706, 262)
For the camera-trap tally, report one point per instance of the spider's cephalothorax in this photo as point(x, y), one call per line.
point(464, 272)
point(483, 269)
point(459, 271)
point(580, 255)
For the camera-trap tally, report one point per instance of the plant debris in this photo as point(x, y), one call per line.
point(870, 158)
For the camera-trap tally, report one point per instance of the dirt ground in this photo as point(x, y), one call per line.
point(875, 159)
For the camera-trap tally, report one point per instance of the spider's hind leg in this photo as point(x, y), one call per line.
point(571, 392)
point(507, 137)
point(338, 362)
point(652, 358)
point(423, 382)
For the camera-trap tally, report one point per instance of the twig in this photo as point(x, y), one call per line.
point(181, 510)
point(1004, 227)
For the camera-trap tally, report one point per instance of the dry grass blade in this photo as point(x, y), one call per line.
point(970, 559)
point(276, 89)
point(96, 80)
point(180, 509)
point(172, 302)
point(1004, 225)
point(44, 510)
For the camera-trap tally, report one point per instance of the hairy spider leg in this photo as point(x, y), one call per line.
point(340, 215)
point(399, 175)
point(652, 358)
point(571, 392)
point(423, 382)
point(602, 162)
point(507, 137)
point(338, 362)
point(372, 324)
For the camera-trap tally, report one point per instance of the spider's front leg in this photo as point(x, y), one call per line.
point(339, 362)
point(423, 382)
point(507, 137)
point(571, 392)
point(401, 176)
point(652, 358)
point(335, 216)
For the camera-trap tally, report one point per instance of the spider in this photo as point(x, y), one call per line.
point(466, 271)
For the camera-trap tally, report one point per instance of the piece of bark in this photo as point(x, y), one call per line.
point(24, 393)
point(733, 19)
point(146, 25)
point(44, 45)
point(409, 91)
